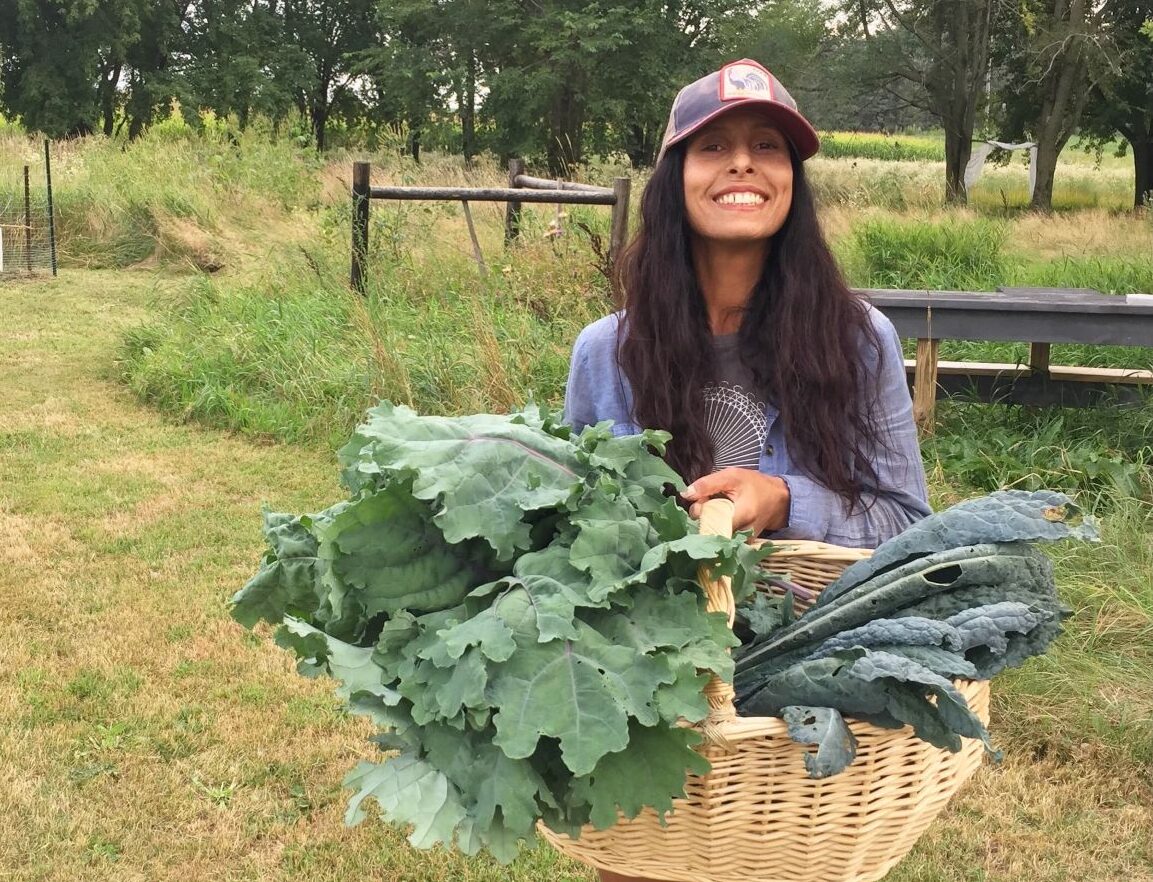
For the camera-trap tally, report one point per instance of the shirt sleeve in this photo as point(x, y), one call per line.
point(596, 389)
point(578, 399)
point(901, 495)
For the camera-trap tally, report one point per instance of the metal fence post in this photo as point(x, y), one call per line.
point(512, 209)
point(27, 221)
point(361, 193)
point(619, 231)
point(51, 213)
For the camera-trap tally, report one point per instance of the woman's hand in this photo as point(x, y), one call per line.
point(760, 501)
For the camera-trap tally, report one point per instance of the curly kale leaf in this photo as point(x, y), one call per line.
point(517, 608)
point(482, 474)
point(289, 579)
point(658, 755)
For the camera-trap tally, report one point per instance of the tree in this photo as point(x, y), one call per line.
point(61, 60)
point(324, 38)
point(236, 61)
point(571, 69)
point(151, 83)
point(786, 36)
point(1123, 101)
point(1060, 53)
point(941, 49)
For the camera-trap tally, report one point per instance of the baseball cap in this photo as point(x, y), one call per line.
point(743, 83)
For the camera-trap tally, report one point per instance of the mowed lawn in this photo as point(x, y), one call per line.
point(145, 736)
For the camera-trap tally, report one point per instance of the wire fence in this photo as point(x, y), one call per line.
point(27, 235)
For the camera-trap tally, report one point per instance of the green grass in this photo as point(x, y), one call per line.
point(301, 357)
point(874, 145)
point(956, 254)
point(152, 738)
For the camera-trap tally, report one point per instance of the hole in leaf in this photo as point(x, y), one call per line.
point(944, 575)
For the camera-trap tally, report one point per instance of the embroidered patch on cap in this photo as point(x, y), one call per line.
point(744, 80)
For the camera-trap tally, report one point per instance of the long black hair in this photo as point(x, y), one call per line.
point(803, 335)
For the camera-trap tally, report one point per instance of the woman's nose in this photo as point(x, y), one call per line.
point(742, 162)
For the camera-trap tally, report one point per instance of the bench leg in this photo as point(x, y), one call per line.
point(1039, 358)
point(925, 386)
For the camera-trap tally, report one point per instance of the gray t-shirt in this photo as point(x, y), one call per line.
point(734, 409)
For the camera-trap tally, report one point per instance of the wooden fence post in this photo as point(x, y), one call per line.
point(512, 209)
point(361, 194)
point(619, 232)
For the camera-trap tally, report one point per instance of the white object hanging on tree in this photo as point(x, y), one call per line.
point(981, 153)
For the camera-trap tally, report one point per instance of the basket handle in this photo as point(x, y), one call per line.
point(717, 520)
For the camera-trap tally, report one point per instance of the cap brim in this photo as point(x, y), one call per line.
point(795, 127)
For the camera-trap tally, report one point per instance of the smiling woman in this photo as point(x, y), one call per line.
point(781, 388)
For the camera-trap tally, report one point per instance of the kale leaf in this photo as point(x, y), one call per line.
point(517, 608)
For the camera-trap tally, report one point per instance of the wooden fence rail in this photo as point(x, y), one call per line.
point(522, 188)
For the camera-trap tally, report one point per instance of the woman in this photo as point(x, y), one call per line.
point(782, 389)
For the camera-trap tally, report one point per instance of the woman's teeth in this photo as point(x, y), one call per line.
point(740, 199)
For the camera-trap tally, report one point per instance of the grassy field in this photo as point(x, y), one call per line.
point(148, 737)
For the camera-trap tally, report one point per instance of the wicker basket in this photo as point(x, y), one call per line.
point(757, 816)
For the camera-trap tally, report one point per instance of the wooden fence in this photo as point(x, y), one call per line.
point(521, 189)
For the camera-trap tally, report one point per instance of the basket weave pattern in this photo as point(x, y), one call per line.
point(758, 817)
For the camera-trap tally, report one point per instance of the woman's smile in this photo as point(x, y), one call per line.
point(740, 198)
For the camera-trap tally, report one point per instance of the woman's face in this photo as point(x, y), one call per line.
point(738, 178)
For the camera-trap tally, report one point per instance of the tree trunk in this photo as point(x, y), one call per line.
point(468, 109)
point(414, 141)
point(1143, 169)
point(641, 146)
point(1065, 92)
point(1046, 171)
point(566, 123)
point(108, 98)
point(958, 150)
point(955, 81)
point(319, 117)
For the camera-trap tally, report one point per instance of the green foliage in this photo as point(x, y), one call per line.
point(286, 365)
point(516, 608)
point(1103, 453)
point(950, 255)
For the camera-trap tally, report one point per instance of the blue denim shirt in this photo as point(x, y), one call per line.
point(598, 390)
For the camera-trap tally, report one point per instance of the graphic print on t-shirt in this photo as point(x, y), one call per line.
point(736, 422)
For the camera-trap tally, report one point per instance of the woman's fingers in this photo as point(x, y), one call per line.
point(760, 501)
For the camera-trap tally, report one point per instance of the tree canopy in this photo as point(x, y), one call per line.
point(560, 81)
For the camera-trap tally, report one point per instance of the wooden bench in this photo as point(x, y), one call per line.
point(1037, 316)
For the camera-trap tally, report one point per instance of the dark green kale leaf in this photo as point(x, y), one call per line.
point(999, 517)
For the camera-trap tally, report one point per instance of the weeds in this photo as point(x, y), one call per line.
point(955, 254)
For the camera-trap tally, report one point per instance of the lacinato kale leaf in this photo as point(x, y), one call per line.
point(826, 728)
point(1001, 516)
point(961, 594)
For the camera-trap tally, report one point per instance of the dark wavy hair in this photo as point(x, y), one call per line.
point(802, 335)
